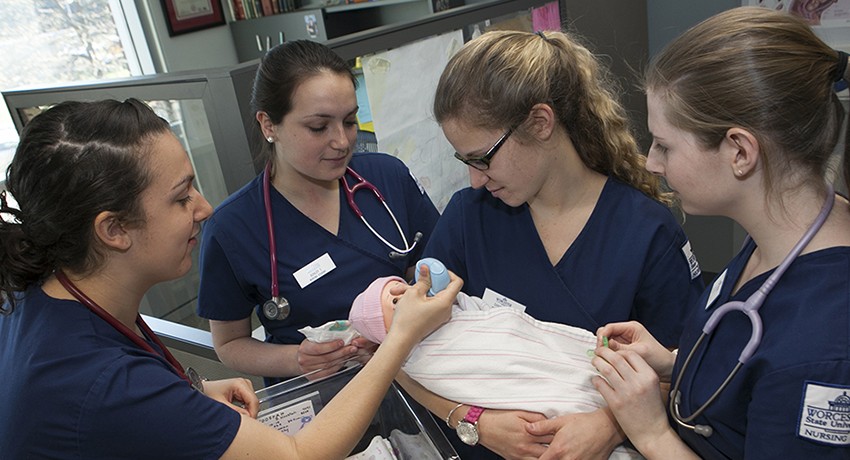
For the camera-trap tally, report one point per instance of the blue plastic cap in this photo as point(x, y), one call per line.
point(439, 274)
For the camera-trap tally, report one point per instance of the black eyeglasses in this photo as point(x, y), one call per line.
point(482, 163)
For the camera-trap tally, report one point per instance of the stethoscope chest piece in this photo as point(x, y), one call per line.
point(276, 308)
point(195, 378)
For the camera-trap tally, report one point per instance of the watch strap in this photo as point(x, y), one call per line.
point(473, 414)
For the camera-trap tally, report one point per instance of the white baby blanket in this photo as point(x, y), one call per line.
point(502, 358)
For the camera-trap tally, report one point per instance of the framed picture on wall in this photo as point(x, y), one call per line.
point(183, 16)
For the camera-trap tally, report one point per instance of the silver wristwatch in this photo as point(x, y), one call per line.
point(467, 429)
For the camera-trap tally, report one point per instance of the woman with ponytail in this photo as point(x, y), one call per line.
point(562, 218)
point(745, 122)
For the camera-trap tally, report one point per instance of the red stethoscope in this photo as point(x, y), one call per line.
point(277, 308)
point(190, 376)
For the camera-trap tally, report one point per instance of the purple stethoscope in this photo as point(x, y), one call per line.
point(750, 308)
point(278, 308)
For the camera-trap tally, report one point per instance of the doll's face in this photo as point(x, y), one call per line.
point(389, 296)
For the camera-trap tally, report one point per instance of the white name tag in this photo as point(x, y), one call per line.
point(825, 414)
point(693, 265)
point(418, 184)
point(498, 300)
point(715, 289)
point(314, 270)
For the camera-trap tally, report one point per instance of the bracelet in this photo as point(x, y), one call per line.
point(449, 417)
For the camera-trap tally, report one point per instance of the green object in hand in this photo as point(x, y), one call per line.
point(340, 325)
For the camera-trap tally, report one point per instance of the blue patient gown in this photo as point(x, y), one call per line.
point(790, 400)
point(628, 263)
point(74, 387)
point(234, 259)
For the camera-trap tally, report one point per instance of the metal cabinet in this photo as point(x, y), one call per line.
point(253, 37)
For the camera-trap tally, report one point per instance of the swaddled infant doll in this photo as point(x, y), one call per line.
point(492, 357)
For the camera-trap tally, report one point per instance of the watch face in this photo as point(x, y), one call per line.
point(467, 432)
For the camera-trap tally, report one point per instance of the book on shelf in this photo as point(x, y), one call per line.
point(267, 7)
point(237, 10)
point(251, 9)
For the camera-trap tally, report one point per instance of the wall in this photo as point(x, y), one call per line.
point(714, 240)
point(666, 19)
point(611, 31)
point(203, 49)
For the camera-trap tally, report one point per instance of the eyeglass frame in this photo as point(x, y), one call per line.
point(482, 163)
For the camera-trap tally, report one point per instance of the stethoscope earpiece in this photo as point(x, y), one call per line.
point(395, 255)
point(703, 430)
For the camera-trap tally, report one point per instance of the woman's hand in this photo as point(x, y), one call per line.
point(323, 359)
point(504, 433)
point(417, 315)
point(631, 389)
point(590, 435)
point(365, 349)
point(634, 337)
point(237, 393)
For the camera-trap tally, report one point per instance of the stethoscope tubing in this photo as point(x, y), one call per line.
point(267, 203)
point(750, 308)
point(349, 195)
point(123, 329)
point(396, 252)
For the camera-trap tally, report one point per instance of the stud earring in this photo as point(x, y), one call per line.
point(739, 172)
point(270, 140)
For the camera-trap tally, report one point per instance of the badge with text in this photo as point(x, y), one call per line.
point(693, 264)
point(314, 270)
point(825, 414)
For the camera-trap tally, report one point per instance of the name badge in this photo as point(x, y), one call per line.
point(693, 265)
point(715, 289)
point(495, 299)
point(314, 270)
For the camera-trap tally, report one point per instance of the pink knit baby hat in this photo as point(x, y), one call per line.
point(366, 315)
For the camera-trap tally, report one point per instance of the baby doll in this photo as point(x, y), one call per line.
point(492, 357)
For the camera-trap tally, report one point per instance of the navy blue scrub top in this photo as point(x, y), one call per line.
point(234, 258)
point(630, 262)
point(74, 387)
point(627, 262)
point(790, 400)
